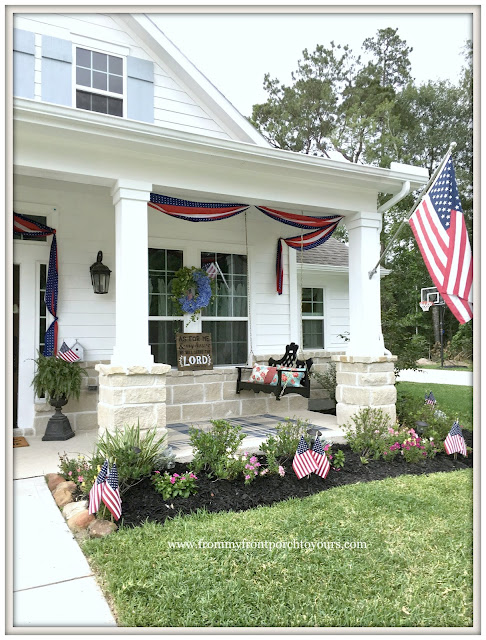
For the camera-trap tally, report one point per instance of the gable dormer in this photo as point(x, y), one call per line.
point(120, 65)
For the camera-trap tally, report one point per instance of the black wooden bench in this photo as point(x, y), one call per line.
point(280, 389)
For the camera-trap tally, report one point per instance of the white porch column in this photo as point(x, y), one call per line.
point(131, 346)
point(366, 338)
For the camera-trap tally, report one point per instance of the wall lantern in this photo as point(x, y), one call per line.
point(100, 275)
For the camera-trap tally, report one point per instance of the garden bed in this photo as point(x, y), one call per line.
point(141, 502)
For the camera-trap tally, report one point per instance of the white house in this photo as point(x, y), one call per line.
point(107, 111)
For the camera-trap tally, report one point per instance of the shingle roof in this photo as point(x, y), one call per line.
point(332, 253)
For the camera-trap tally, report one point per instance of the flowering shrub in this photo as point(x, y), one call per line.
point(411, 446)
point(175, 485)
point(79, 470)
point(214, 450)
point(366, 436)
point(283, 445)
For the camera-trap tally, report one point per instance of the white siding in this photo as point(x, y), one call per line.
point(174, 107)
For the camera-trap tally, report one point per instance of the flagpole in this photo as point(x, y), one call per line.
point(417, 202)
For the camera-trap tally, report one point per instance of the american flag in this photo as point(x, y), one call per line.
point(65, 353)
point(111, 493)
point(320, 457)
point(32, 229)
point(195, 211)
point(430, 398)
point(212, 270)
point(96, 491)
point(304, 462)
point(439, 228)
point(323, 227)
point(455, 443)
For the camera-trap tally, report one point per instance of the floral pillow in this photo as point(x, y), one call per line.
point(292, 377)
point(264, 375)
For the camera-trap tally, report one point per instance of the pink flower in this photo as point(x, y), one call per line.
point(172, 480)
point(183, 478)
point(281, 471)
point(247, 466)
point(80, 479)
point(176, 475)
point(330, 457)
point(78, 470)
point(385, 453)
point(327, 447)
point(250, 466)
point(247, 477)
point(263, 472)
point(257, 464)
point(245, 453)
point(377, 431)
point(70, 473)
point(157, 472)
point(391, 430)
point(253, 459)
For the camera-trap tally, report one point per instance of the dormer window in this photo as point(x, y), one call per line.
point(99, 82)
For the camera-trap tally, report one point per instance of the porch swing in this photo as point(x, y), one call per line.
point(289, 374)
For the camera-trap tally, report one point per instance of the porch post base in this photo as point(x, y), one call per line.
point(130, 396)
point(364, 381)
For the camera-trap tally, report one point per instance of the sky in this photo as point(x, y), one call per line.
point(234, 51)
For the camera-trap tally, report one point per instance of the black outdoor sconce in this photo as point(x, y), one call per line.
point(100, 275)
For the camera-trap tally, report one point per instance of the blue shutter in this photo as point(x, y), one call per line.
point(57, 71)
point(140, 89)
point(23, 63)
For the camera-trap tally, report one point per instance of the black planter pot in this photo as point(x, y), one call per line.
point(58, 427)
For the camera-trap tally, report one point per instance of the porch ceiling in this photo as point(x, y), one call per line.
point(68, 144)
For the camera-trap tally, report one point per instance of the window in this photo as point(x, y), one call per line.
point(226, 317)
point(99, 82)
point(21, 236)
point(42, 306)
point(163, 322)
point(313, 318)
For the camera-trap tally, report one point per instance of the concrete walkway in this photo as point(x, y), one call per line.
point(437, 376)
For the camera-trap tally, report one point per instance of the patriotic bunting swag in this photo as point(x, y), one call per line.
point(441, 234)
point(31, 229)
point(320, 228)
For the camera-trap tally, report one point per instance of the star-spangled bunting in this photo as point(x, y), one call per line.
point(304, 462)
point(96, 491)
point(430, 399)
point(111, 493)
point(319, 229)
point(455, 443)
point(65, 353)
point(440, 231)
point(320, 458)
point(32, 229)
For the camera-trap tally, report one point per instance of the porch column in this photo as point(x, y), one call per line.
point(366, 338)
point(131, 345)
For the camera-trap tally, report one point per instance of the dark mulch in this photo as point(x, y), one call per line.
point(142, 502)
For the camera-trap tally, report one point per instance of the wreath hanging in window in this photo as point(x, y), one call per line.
point(192, 290)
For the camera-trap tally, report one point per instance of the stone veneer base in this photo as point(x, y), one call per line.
point(364, 381)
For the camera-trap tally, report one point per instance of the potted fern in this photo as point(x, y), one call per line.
point(57, 380)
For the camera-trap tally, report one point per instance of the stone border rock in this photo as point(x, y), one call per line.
point(82, 523)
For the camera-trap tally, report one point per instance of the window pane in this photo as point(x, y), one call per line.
point(229, 341)
point(313, 334)
point(240, 307)
point(83, 100)
point(162, 340)
point(306, 295)
point(115, 84)
point(83, 57)
point(174, 260)
point(317, 295)
point(100, 61)
point(115, 65)
point(240, 264)
point(115, 107)
point(100, 80)
point(307, 308)
point(99, 103)
point(156, 258)
point(43, 273)
point(83, 76)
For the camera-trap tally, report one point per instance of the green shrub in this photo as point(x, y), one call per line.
point(368, 432)
point(409, 412)
point(55, 377)
point(214, 450)
point(79, 470)
point(135, 454)
point(327, 380)
point(283, 445)
point(174, 486)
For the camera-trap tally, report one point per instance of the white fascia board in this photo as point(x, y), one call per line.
point(198, 85)
point(149, 138)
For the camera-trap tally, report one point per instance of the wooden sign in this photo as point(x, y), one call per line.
point(194, 351)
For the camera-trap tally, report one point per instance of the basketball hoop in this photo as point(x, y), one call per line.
point(426, 304)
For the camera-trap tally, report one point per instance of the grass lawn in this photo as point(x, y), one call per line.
point(415, 572)
point(454, 400)
point(437, 366)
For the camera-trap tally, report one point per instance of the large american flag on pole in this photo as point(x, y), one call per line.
point(195, 211)
point(455, 443)
point(439, 228)
point(32, 229)
point(321, 228)
point(304, 462)
point(96, 491)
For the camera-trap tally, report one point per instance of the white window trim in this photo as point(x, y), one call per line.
point(100, 92)
point(309, 317)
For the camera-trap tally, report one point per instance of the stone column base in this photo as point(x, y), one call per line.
point(130, 396)
point(364, 382)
